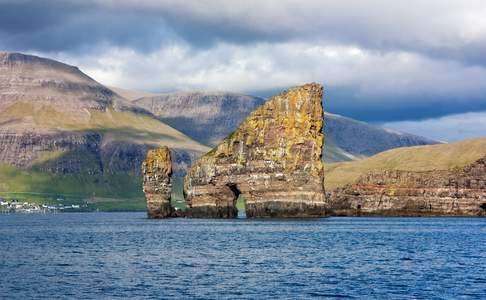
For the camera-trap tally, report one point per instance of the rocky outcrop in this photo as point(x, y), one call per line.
point(456, 192)
point(157, 185)
point(273, 160)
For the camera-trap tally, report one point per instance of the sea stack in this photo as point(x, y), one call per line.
point(157, 185)
point(273, 159)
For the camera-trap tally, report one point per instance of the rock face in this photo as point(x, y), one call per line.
point(157, 185)
point(456, 192)
point(273, 160)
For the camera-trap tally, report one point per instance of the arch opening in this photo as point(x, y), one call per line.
point(178, 199)
point(238, 201)
point(483, 206)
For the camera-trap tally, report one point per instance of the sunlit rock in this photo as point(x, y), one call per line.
point(157, 185)
point(273, 159)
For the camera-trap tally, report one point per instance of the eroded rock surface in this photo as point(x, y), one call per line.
point(273, 159)
point(456, 192)
point(157, 185)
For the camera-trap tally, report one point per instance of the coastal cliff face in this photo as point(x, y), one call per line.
point(455, 192)
point(273, 160)
point(157, 185)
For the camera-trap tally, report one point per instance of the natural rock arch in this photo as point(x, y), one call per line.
point(273, 159)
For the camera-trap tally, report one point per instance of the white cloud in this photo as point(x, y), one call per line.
point(266, 66)
point(449, 128)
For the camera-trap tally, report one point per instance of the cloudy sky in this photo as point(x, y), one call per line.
point(412, 65)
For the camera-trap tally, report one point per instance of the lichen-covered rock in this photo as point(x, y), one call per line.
point(157, 186)
point(273, 159)
point(455, 192)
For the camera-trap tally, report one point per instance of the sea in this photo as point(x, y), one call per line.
point(127, 256)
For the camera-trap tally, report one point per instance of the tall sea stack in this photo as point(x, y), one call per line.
point(157, 185)
point(273, 159)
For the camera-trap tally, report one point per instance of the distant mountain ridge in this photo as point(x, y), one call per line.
point(42, 81)
point(209, 117)
point(356, 139)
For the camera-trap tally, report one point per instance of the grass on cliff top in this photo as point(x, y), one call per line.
point(418, 158)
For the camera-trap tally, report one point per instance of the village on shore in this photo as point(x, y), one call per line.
point(16, 206)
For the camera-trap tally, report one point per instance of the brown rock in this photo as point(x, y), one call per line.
point(455, 192)
point(273, 159)
point(157, 186)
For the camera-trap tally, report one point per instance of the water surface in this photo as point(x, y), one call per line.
point(125, 255)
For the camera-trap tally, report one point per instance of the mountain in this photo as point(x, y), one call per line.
point(209, 117)
point(412, 159)
point(65, 136)
point(131, 95)
point(355, 139)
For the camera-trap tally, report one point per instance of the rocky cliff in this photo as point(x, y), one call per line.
point(454, 192)
point(273, 159)
point(157, 185)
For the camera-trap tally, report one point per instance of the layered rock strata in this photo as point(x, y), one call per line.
point(456, 192)
point(157, 185)
point(273, 159)
point(87, 152)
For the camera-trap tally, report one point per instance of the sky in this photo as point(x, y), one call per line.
point(414, 65)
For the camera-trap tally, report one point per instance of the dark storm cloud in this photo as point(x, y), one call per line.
point(77, 26)
point(432, 27)
point(71, 26)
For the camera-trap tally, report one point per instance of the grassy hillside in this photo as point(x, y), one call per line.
point(418, 158)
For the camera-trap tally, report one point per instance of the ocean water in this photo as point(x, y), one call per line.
point(126, 255)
